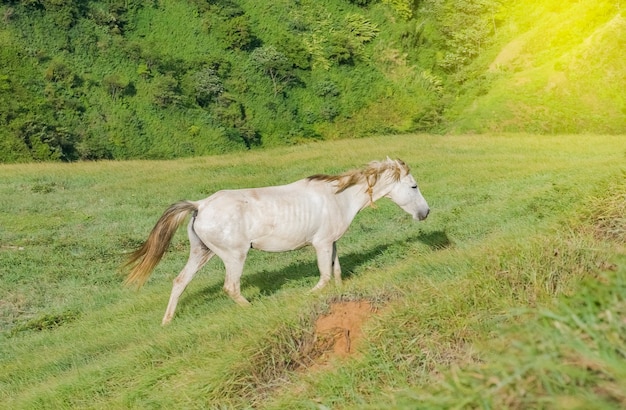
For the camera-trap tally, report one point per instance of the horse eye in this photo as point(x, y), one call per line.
point(414, 187)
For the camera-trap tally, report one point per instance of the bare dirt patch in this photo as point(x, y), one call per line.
point(333, 331)
point(340, 331)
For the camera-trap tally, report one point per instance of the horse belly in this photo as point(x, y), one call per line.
point(285, 227)
point(276, 244)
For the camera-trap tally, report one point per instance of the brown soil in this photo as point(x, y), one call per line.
point(340, 330)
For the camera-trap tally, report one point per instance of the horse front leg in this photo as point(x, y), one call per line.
point(234, 269)
point(325, 256)
point(336, 266)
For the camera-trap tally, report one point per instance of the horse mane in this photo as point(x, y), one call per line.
point(369, 174)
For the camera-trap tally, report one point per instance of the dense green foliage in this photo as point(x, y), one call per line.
point(115, 79)
point(511, 295)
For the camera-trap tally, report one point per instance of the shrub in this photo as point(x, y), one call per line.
point(166, 92)
point(57, 71)
point(47, 142)
point(326, 88)
point(404, 8)
point(296, 52)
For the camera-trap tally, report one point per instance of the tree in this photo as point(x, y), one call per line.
point(296, 52)
point(274, 64)
point(115, 84)
point(238, 33)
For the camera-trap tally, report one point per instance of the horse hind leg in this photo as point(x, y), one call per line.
point(199, 255)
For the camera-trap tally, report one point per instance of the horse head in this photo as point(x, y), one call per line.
point(405, 192)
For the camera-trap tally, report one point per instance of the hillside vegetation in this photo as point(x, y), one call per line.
point(512, 294)
point(174, 78)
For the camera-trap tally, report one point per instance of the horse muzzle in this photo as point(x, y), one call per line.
point(421, 215)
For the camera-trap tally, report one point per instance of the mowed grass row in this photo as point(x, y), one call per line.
point(470, 302)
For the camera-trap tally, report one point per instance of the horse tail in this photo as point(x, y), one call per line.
point(145, 259)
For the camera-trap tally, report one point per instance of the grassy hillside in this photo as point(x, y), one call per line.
point(559, 68)
point(510, 295)
point(180, 78)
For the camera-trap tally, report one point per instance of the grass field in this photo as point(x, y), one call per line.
point(512, 294)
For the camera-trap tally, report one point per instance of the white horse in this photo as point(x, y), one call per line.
point(313, 211)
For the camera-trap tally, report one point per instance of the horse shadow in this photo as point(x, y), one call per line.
point(271, 281)
point(436, 240)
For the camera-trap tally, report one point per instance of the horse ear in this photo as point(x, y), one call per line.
point(403, 165)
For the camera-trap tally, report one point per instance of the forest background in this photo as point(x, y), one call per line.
point(120, 79)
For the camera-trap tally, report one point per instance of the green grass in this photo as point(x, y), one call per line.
point(511, 294)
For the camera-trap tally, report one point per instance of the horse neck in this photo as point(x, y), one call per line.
point(380, 189)
point(363, 194)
